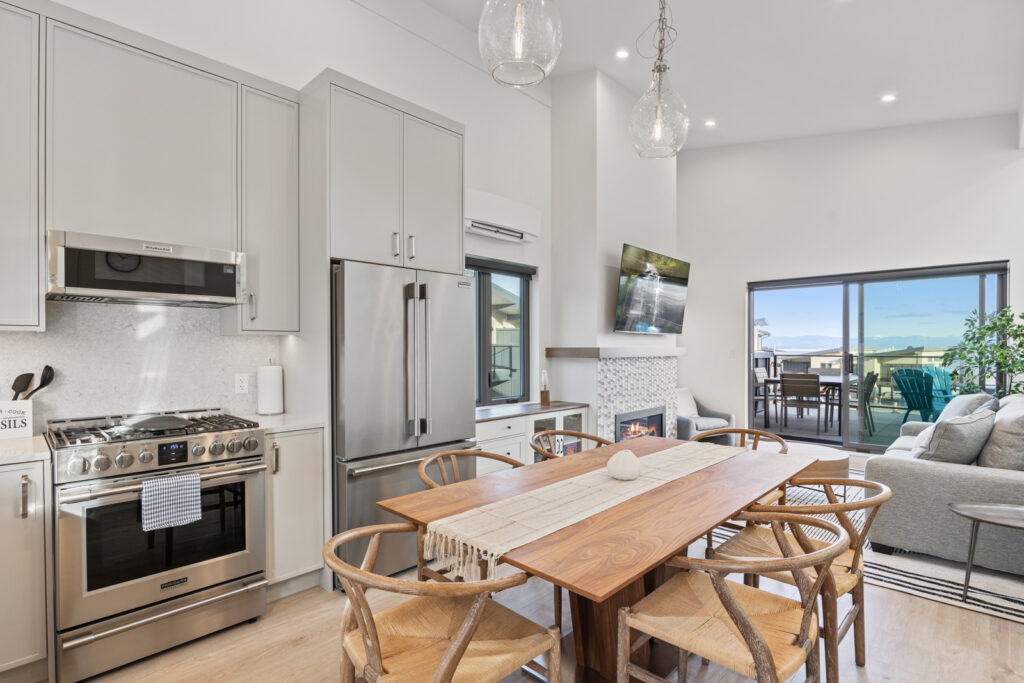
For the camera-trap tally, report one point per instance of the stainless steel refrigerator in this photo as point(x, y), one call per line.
point(404, 388)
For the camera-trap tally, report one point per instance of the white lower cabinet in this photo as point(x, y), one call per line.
point(23, 602)
point(511, 437)
point(510, 448)
point(574, 420)
point(295, 503)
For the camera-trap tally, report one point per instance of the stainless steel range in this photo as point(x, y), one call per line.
point(124, 593)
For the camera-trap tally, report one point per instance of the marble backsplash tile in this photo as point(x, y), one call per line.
point(112, 359)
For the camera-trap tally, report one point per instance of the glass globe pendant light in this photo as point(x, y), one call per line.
point(520, 40)
point(659, 122)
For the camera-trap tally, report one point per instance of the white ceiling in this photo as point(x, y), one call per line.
point(772, 69)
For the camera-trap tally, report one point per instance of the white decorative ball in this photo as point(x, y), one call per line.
point(624, 466)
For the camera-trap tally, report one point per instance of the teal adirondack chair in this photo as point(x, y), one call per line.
point(916, 387)
point(942, 386)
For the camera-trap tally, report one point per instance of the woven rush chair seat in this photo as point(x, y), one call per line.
point(687, 612)
point(414, 636)
point(759, 541)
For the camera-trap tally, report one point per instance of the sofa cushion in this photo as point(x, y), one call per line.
point(992, 405)
point(685, 405)
point(904, 443)
point(965, 404)
point(1005, 447)
point(958, 440)
point(703, 424)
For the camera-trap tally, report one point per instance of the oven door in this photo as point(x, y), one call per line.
point(106, 563)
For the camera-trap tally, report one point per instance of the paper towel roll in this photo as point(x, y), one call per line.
point(270, 390)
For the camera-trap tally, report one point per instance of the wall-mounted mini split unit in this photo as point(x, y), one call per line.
point(497, 217)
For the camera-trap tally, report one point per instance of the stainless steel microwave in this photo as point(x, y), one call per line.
point(101, 269)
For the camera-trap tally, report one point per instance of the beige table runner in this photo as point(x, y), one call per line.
point(488, 532)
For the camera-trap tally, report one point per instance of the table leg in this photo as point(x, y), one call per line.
point(595, 632)
point(970, 556)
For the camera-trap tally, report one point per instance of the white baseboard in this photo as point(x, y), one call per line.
point(296, 584)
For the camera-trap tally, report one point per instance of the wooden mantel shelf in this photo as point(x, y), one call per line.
point(598, 352)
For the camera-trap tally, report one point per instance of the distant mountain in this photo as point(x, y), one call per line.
point(817, 342)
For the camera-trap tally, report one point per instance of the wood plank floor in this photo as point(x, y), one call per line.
point(909, 639)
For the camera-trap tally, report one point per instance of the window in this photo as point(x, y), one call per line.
point(502, 326)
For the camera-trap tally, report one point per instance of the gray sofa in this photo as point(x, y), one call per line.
point(918, 519)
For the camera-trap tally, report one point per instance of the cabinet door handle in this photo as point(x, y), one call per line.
point(412, 247)
point(396, 244)
point(277, 459)
point(24, 496)
point(252, 305)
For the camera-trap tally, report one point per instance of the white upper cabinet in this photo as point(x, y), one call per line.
point(270, 213)
point(432, 191)
point(393, 177)
point(138, 146)
point(20, 256)
point(365, 179)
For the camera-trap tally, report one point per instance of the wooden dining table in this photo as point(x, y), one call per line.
point(616, 556)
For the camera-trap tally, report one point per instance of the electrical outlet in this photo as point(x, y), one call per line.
point(242, 383)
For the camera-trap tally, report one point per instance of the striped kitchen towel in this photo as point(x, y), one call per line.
point(171, 501)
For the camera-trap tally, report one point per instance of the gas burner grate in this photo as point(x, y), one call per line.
point(97, 431)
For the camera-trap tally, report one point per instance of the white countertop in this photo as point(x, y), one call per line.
point(24, 449)
point(286, 422)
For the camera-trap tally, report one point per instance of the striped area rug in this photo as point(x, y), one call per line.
point(994, 593)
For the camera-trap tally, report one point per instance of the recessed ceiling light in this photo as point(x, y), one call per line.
point(710, 123)
point(888, 97)
point(622, 54)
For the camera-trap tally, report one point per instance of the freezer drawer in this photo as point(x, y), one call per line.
point(360, 484)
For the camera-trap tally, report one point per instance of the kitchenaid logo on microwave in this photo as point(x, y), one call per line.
point(15, 419)
point(158, 248)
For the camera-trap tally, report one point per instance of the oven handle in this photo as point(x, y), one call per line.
point(133, 488)
point(93, 637)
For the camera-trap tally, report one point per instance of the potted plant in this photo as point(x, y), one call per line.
point(992, 348)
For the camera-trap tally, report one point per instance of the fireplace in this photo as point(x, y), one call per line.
point(649, 422)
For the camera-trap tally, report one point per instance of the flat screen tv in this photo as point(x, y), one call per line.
point(652, 292)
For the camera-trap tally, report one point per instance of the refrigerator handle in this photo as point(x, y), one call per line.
point(412, 353)
point(427, 426)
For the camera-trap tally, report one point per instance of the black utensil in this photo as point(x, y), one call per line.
point(44, 381)
point(21, 384)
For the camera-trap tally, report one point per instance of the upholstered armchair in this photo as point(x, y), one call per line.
point(693, 417)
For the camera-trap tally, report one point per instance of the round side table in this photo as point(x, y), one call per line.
point(1011, 516)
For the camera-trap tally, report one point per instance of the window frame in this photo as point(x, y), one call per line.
point(484, 269)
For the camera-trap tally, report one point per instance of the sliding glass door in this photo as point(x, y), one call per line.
point(900, 330)
point(848, 359)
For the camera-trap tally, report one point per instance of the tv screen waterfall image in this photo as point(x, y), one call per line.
point(652, 292)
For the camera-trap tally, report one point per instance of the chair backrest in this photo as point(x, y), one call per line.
point(794, 560)
point(872, 503)
point(801, 386)
point(356, 581)
point(743, 434)
point(760, 374)
point(867, 388)
point(450, 459)
point(545, 442)
point(916, 387)
point(942, 380)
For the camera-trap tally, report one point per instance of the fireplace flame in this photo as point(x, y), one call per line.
point(635, 430)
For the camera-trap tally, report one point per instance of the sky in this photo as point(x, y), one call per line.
point(930, 308)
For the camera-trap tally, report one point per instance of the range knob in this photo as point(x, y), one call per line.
point(101, 463)
point(78, 466)
point(124, 459)
point(198, 450)
point(234, 446)
point(250, 444)
point(145, 457)
point(216, 448)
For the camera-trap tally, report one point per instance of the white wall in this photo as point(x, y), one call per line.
point(508, 137)
point(913, 196)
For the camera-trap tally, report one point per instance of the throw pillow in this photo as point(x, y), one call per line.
point(1005, 447)
point(965, 404)
point(1011, 400)
point(992, 405)
point(958, 440)
point(685, 405)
